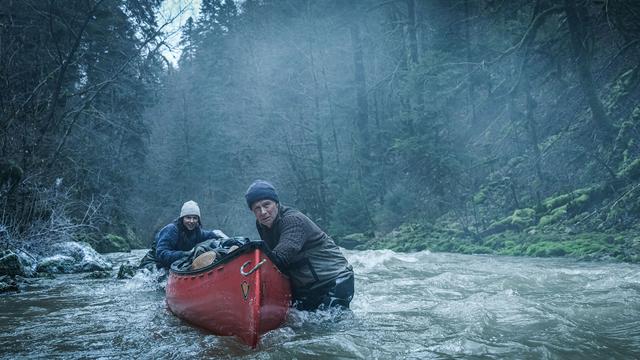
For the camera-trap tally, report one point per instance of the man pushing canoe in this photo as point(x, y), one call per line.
point(320, 274)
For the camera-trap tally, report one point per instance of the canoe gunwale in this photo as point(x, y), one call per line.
point(246, 248)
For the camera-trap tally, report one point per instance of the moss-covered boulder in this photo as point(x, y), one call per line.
point(122, 241)
point(10, 264)
point(554, 216)
point(112, 243)
point(518, 221)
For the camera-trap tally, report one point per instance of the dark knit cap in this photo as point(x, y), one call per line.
point(260, 190)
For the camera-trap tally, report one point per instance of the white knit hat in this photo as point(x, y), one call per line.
point(190, 208)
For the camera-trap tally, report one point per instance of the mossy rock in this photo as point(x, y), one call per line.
point(518, 221)
point(556, 215)
point(555, 202)
point(112, 243)
point(91, 238)
point(523, 218)
point(546, 249)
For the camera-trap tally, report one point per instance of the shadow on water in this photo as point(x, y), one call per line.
point(409, 306)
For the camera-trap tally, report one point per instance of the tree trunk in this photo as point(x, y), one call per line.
point(418, 103)
point(532, 128)
point(576, 17)
point(412, 32)
point(471, 88)
point(362, 118)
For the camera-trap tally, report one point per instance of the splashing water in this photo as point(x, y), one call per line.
point(409, 306)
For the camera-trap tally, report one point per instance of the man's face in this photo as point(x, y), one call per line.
point(190, 221)
point(265, 211)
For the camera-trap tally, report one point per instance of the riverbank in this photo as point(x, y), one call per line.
point(547, 242)
point(595, 222)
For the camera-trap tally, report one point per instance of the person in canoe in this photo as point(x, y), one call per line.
point(320, 275)
point(180, 238)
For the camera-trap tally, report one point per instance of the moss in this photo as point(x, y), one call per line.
point(555, 216)
point(582, 199)
point(480, 197)
point(541, 242)
point(519, 220)
point(546, 249)
point(631, 171)
point(523, 217)
point(621, 88)
point(555, 202)
point(579, 203)
point(498, 226)
point(93, 239)
point(112, 243)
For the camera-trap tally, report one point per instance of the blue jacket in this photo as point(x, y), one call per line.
point(174, 241)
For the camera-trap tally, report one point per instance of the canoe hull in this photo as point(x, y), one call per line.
point(231, 300)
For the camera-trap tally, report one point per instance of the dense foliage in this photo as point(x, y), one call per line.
point(475, 119)
point(76, 77)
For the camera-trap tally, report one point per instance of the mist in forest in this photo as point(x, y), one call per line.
point(466, 119)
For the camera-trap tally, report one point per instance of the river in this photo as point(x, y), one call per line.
point(407, 306)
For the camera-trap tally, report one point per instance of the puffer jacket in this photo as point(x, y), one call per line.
point(174, 241)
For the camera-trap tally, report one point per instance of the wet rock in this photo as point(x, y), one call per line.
point(98, 275)
point(44, 275)
point(23, 280)
point(7, 284)
point(85, 255)
point(126, 271)
point(10, 264)
point(57, 264)
point(29, 262)
point(73, 257)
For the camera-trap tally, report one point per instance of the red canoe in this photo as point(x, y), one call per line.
point(244, 295)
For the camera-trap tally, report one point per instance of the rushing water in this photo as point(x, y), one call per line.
point(407, 306)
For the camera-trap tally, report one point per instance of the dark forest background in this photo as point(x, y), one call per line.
point(466, 125)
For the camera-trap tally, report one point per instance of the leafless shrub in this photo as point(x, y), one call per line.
point(47, 216)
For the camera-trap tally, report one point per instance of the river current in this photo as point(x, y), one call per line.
point(407, 306)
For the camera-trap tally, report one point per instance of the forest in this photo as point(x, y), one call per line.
point(472, 126)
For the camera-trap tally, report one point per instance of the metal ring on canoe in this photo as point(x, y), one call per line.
point(247, 273)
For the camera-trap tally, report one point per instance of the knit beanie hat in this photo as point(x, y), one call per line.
point(260, 190)
point(190, 208)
